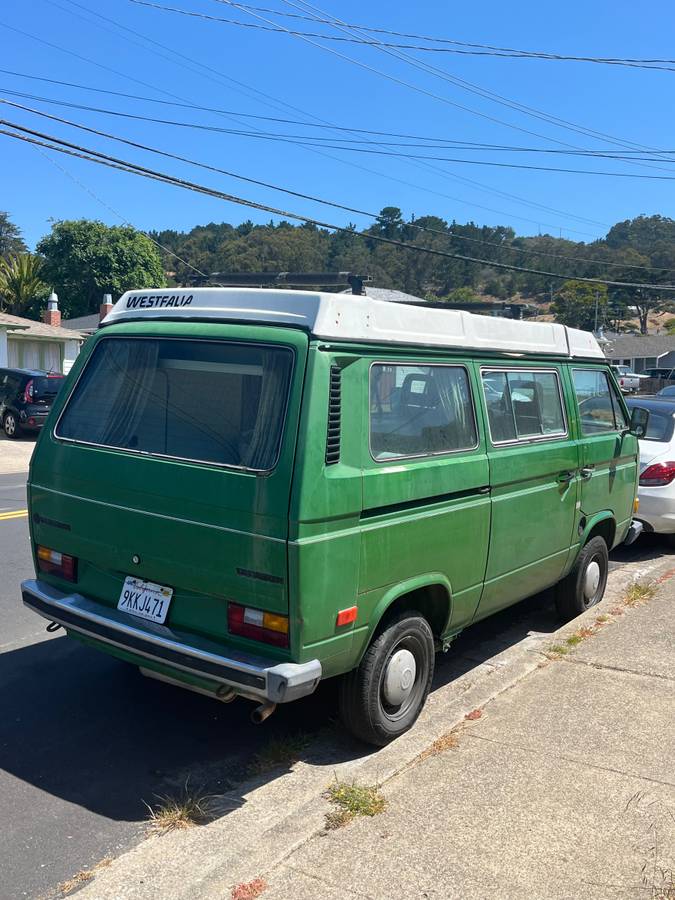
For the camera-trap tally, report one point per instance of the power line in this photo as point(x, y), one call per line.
point(71, 149)
point(304, 141)
point(304, 196)
point(459, 82)
point(491, 48)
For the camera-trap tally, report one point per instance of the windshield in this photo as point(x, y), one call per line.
point(206, 401)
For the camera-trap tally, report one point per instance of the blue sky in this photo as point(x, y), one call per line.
point(204, 60)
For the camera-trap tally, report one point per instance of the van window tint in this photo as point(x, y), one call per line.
point(599, 406)
point(207, 401)
point(523, 404)
point(420, 410)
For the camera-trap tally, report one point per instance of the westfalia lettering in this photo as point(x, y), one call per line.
point(148, 301)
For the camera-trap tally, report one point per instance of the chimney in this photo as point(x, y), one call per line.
point(52, 315)
point(105, 307)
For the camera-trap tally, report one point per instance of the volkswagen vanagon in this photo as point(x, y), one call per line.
point(246, 491)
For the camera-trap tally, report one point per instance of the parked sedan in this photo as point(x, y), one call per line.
point(656, 491)
point(668, 391)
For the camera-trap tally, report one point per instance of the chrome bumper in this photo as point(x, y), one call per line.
point(248, 674)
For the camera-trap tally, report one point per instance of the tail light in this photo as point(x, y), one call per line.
point(246, 621)
point(658, 474)
point(28, 392)
point(55, 563)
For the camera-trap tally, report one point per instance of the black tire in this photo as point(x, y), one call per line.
point(364, 708)
point(573, 595)
point(10, 425)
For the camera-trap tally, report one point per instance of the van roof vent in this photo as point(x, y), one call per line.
point(334, 410)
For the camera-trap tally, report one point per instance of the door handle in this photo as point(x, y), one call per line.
point(565, 477)
point(586, 472)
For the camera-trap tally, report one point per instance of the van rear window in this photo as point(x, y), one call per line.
point(204, 401)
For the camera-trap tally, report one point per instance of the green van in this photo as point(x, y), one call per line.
point(246, 491)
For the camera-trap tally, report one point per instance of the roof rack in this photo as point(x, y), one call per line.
point(274, 279)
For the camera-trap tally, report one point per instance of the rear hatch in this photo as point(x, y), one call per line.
point(40, 393)
point(169, 460)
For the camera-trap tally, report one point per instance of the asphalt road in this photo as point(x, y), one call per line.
point(85, 739)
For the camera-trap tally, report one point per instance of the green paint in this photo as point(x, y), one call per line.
point(471, 530)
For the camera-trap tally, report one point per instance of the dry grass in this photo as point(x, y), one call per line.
point(352, 800)
point(638, 593)
point(249, 890)
point(449, 741)
point(83, 876)
point(557, 650)
point(280, 751)
point(172, 813)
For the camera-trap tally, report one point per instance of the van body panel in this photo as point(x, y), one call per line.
point(212, 533)
point(427, 514)
point(534, 486)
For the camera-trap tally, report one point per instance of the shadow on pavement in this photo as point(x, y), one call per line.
point(92, 731)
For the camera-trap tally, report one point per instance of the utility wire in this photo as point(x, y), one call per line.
point(464, 85)
point(496, 50)
point(32, 136)
point(471, 145)
point(312, 141)
point(656, 65)
point(323, 201)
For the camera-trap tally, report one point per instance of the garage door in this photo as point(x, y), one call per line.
point(45, 355)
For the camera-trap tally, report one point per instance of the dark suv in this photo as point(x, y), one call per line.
point(26, 396)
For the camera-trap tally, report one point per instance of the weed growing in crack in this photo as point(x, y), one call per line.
point(352, 800)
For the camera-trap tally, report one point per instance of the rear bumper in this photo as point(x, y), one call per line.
point(248, 674)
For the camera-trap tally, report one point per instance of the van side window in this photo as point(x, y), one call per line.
point(523, 404)
point(420, 410)
point(599, 407)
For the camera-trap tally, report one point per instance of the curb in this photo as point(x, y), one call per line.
point(265, 821)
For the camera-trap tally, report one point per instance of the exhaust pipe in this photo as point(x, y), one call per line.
point(225, 694)
point(262, 712)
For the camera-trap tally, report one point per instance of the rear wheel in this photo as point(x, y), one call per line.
point(382, 698)
point(9, 425)
point(585, 584)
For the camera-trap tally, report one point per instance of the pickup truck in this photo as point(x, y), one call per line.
point(629, 382)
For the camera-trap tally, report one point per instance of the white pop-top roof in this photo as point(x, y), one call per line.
point(347, 317)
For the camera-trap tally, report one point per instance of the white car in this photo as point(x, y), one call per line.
point(656, 491)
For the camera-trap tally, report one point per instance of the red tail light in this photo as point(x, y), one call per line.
point(55, 563)
point(28, 392)
point(658, 474)
point(258, 625)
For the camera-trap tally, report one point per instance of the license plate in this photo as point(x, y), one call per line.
point(145, 599)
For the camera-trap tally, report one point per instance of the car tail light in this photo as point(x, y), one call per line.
point(28, 391)
point(246, 621)
point(56, 563)
point(658, 474)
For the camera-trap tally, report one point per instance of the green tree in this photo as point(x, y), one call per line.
point(575, 304)
point(11, 241)
point(462, 295)
point(21, 284)
point(85, 259)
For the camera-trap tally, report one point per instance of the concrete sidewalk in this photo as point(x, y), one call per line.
point(560, 784)
point(563, 788)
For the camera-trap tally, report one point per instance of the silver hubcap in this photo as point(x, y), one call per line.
point(399, 678)
point(9, 425)
point(591, 580)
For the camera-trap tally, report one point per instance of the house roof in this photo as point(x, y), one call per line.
point(631, 346)
point(28, 328)
point(83, 323)
point(355, 318)
point(390, 296)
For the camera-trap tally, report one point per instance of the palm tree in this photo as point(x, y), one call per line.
point(20, 282)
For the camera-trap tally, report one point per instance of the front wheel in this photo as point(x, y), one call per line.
point(382, 698)
point(585, 584)
point(10, 426)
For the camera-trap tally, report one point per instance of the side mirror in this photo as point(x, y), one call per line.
point(639, 419)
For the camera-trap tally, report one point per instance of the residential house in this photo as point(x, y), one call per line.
point(26, 344)
point(640, 351)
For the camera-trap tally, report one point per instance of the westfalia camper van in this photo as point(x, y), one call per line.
point(246, 491)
